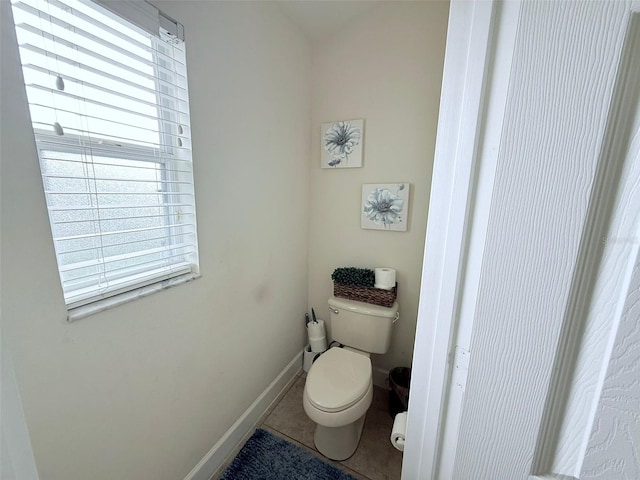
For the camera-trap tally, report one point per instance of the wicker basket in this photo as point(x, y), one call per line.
point(376, 296)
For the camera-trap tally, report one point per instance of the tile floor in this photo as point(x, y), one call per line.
point(375, 458)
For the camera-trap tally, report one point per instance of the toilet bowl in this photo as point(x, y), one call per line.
point(337, 394)
point(339, 387)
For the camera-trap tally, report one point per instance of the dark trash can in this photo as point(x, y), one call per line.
point(399, 381)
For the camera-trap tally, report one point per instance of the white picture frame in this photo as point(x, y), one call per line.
point(341, 144)
point(385, 206)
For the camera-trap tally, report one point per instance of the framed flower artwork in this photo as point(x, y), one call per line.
point(385, 206)
point(342, 144)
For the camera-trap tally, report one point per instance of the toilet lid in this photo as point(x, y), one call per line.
point(338, 379)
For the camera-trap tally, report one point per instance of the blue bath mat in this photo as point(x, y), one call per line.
point(267, 457)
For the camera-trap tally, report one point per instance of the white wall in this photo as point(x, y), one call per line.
point(143, 391)
point(385, 67)
point(16, 454)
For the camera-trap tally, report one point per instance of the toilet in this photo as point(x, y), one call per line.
point(339, 386)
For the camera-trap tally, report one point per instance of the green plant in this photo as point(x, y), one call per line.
point(359, 277)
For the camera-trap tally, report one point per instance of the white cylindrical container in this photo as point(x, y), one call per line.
point(317, 336)
point(385, 278)
point(399, 430)
point(308, 358)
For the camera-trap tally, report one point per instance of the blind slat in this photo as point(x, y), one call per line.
point(117, 141)
point(84, 296)
point(105, 220)
point(112, 179)
point(103, 277)
point(139, 89)
point(125, 256)
point(97, 56)
point(93, 163)
point(124, 232)
point(71, 96)
point(54, 192)
point(54, 20)
point(72, 63)
point(116, 207)
point(105, 246)
point(97, 148)
point(129, 100)
point(91, 54)
point(97, 23)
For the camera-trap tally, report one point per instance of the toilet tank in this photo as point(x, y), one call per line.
point(362, 326)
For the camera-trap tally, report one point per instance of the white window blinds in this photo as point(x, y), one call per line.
point(110, 114)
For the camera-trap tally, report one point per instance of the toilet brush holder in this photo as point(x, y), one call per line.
point(308, 358)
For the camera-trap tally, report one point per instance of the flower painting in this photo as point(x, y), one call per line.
point(342, 144)
point(385, 206)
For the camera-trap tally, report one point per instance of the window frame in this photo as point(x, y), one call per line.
point(83, 301)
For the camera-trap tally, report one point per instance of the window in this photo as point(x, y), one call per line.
point(110, 114)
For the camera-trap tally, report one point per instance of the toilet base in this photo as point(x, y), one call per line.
point(339, 443)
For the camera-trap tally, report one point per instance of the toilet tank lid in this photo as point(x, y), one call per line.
point(364, 308)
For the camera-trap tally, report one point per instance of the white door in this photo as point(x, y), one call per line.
point(534, 228)
point(614, 444)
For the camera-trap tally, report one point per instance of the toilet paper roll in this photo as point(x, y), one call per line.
point(399, 430)
point(385, 278)
point(317, 336)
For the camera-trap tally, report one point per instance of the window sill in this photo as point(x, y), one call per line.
point(111, 302)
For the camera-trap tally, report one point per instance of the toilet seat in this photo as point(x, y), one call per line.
point(338, 379)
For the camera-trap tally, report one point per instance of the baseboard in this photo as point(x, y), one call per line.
point(380, 377)
point(210, 463)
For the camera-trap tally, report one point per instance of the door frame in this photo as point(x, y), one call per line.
point(479, 52)
point(478, 57)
